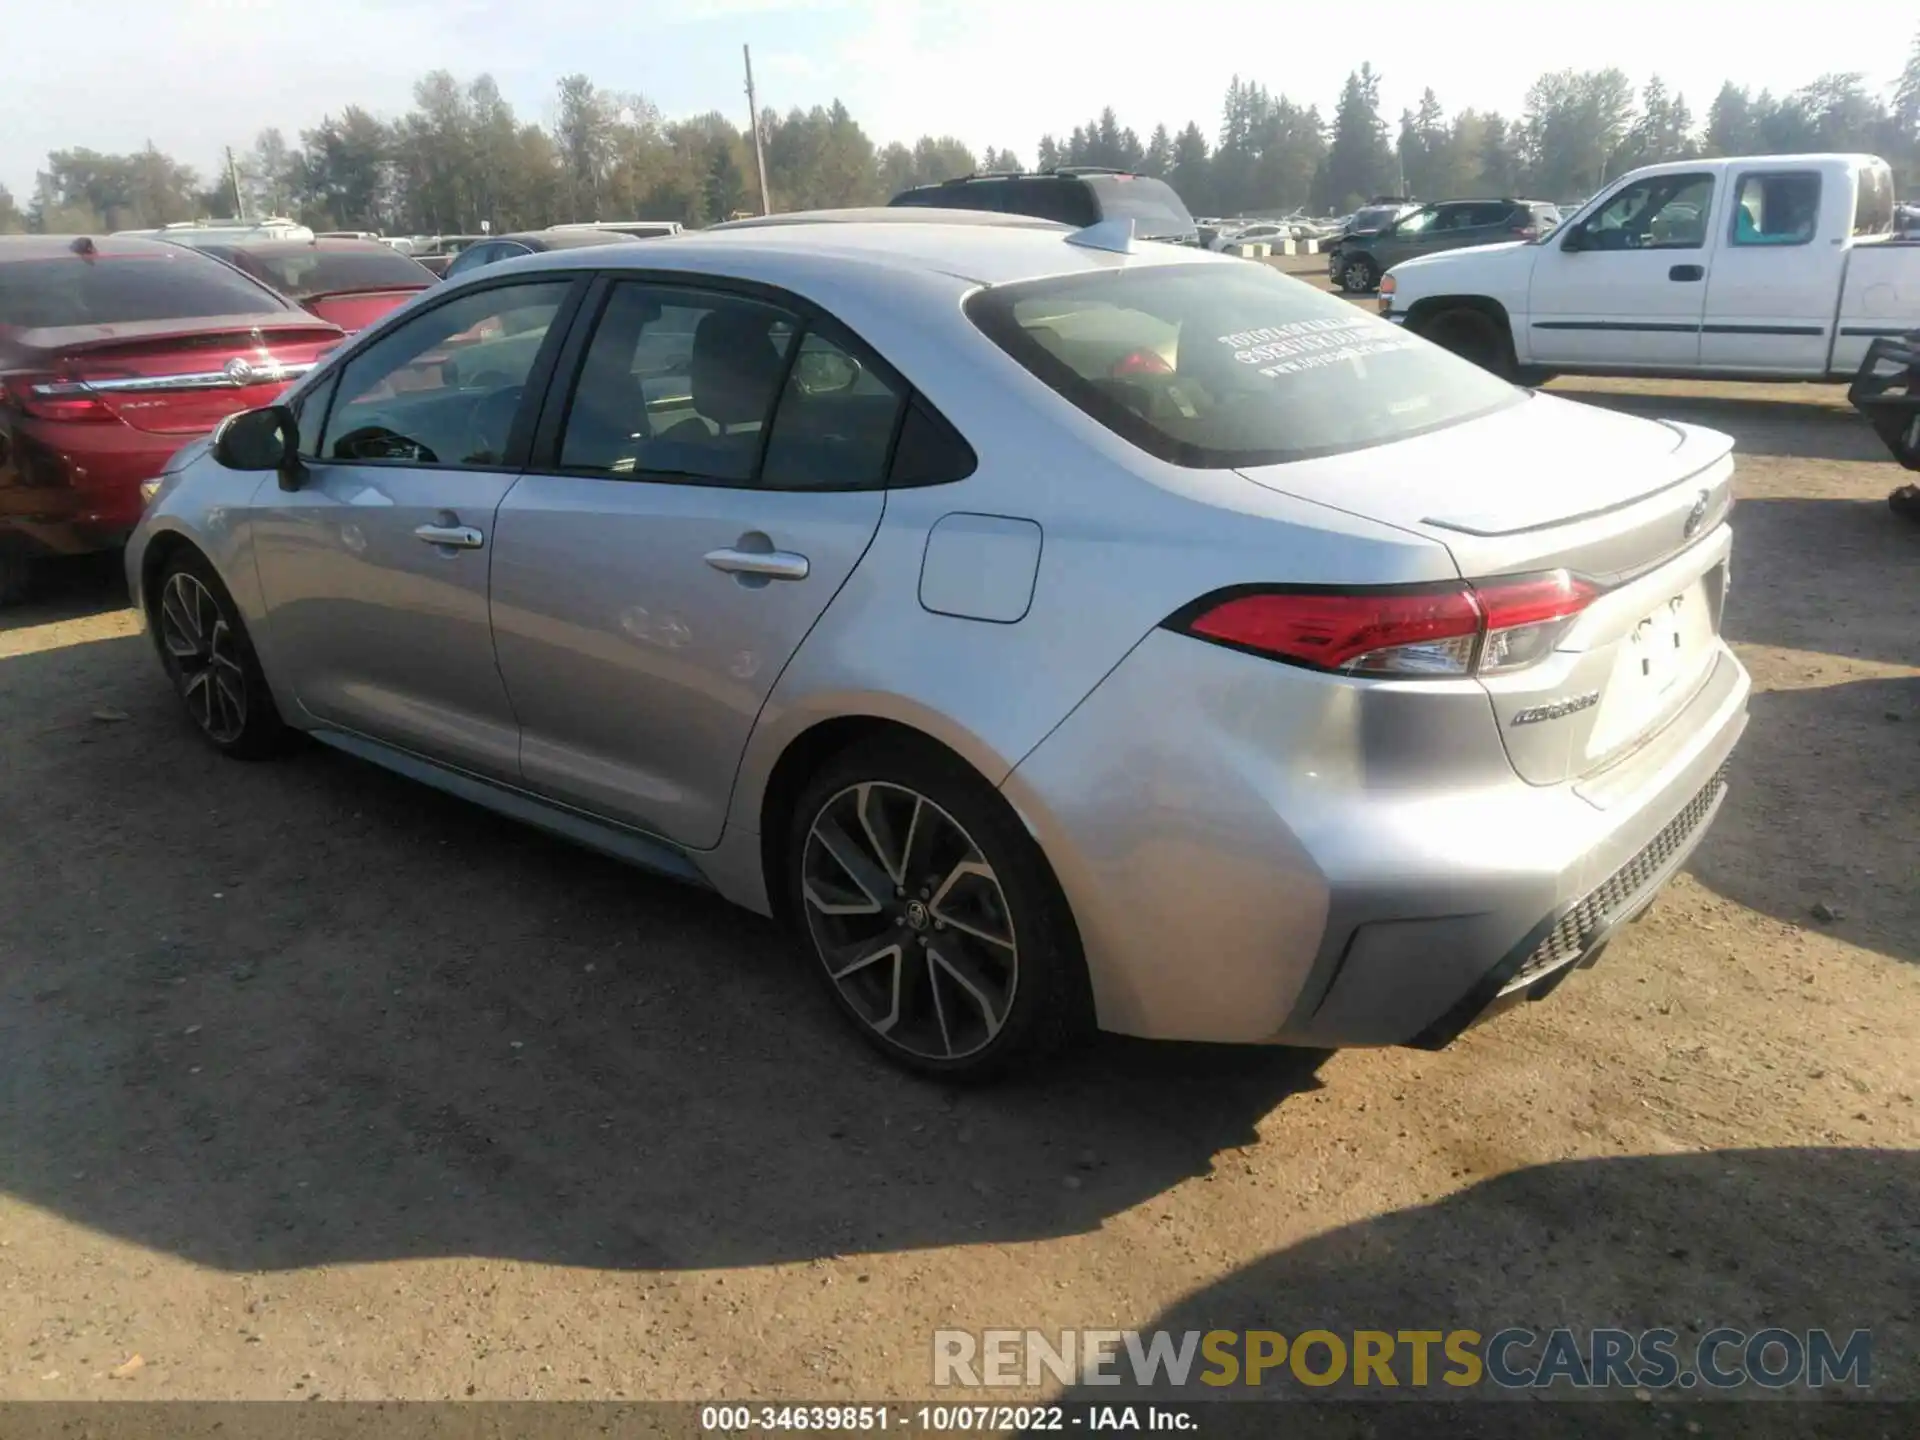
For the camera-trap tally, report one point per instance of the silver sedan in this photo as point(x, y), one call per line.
point(1056, 631)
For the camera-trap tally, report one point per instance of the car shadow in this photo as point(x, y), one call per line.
point(69, 588)
point(1800, 1239)
point(271, 1016)
point(1814, 429)
point(1783, 843)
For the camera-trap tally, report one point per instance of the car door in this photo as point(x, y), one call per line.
point(375, 570)
point(1626, 287)
point(1773, 294)
point(695, 504)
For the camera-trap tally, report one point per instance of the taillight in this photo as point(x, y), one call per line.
point(1140, 362)
point(1411, 632)
point(53, 397)
point(1527, 232)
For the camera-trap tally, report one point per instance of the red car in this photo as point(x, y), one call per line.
point(114, 353)
point(350, 282)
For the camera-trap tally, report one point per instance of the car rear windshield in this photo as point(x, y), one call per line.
point(57, 291)
point(1151, 204)
point(303, 274)
point(1228, 364)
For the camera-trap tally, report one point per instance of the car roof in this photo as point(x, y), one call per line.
point(981, 254)
point(330, 244)
point(50, 247)
point(561, 239)
point(892, 215)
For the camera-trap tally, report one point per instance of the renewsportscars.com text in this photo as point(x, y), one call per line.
point(1513, 1358)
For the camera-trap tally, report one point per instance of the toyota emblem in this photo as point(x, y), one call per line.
point(1697, 514)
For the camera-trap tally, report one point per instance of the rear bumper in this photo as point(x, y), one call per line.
point(74, 489)
point(1260, 854)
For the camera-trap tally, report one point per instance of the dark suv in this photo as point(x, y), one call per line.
point(1364, 256)
point(1077, 195)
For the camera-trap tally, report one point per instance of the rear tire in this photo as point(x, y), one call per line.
point(16, 579)
point(1473, 335)
point(932, 917)
point(208, 656)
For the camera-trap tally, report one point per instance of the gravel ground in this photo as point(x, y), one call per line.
point(315, 1083)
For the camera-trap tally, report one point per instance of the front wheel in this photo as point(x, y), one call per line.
point(1476, 336)
point(204, 647)
point(1359, 275)
point(932, 916)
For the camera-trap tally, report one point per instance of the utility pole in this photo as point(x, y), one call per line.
point(759, 153)
point(233, 179)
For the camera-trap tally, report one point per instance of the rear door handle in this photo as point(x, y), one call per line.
point(458, 537)
point(771, 564)
point(1687, 272)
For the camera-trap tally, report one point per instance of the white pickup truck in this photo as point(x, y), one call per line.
point(1776, 267)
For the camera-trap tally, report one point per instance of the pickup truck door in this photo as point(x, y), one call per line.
point(1625, 288)
point(1776, 276)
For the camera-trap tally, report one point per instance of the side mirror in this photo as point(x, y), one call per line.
point(1574, 240)
point(264, 439)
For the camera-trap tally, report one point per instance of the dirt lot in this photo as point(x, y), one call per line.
point(315, 1083)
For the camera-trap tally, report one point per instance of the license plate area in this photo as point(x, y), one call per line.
point(1654, 663)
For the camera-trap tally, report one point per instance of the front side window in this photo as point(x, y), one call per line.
point(1213, 366)
point(443, 389)
point(1780, 209)
point(1662, 212)
point(1418, 223)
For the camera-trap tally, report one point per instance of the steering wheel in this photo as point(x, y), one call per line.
point(490, 424)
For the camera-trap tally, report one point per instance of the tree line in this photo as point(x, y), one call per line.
point(461, 155)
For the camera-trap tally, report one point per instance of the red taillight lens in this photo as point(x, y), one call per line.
point(1426, 631)
point(53, 397)
point(1527, 232)
point(1525, 617)
point(1381, 632)
point(1141, 362)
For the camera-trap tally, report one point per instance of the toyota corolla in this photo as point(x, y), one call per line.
point(1055, 630)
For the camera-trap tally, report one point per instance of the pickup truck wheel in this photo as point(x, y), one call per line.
point(1476, 336)
point(1358, 275)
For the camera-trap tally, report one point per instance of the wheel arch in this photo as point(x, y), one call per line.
point(1425, 311)
point(803, 754)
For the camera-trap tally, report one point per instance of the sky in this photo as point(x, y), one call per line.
point(195, 75)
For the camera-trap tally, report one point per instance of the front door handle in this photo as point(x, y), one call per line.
point(769, 564)
point(457, 537)
point(1687, 272)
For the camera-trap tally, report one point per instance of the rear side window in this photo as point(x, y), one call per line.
point(1873, 206)
point(1068, 201)
point(1481, 216)
point(1212, 366)
point(304, 273)
point(1151, 204)
point(107, 289)
point(1777, 209)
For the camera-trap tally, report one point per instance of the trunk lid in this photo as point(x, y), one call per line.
point(179, 377)
point(356, 310)
point(1634, 506)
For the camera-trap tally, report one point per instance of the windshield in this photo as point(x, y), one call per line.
point(1151, 204)
point(1374, 217)
point(59, 291)
point(1214, 366)
point(306, 272)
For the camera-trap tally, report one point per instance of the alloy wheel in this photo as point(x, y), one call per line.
point(1359, 276)
point(204, 649)
point(910, 921)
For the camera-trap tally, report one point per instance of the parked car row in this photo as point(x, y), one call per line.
point(1362, 254)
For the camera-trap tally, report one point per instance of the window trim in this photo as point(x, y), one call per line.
point(519, 435)
point(1734, 242)
point(563, 383)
